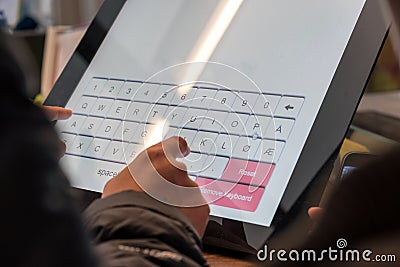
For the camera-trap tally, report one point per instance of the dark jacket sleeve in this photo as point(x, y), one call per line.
point(364, 205)
point(40, 225)
point(362, 213)
point(132, 229)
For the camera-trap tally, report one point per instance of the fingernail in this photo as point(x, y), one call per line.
point(187, 152)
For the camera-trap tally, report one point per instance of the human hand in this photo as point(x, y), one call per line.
point(54, 114)
point(149, 171)
point(315, 213)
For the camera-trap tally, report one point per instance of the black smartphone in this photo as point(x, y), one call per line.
point(354, 160)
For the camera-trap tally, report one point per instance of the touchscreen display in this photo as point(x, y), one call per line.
point(241, 81)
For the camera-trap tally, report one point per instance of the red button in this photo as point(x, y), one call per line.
point(225, 194)
point(248, 172)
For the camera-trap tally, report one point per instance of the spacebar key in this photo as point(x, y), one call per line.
point(89, 174)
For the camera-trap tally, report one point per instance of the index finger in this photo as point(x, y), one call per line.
point(56, 113)
point(315, 213)
point(176, 147)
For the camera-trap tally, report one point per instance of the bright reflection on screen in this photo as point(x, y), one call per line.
point(155, 135)
point(209, 39)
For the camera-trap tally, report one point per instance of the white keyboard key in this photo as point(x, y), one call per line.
point(234, 124)
point(112, 88)
point(204, 142)
point(203, 98)
point(188, 135)
point(152, 134)
point(68, 140)
point(168, 132)
point(73, 124)
point(213, 121)
point(137, 111)
point(97, 148)
point(214, 167)
point(80, 145)
point(193, 118)
point(194, 162)
point(245, 102)
point(101, 107)
point(86, 168)
point(91, 125)
point(246, 148)
point(256, 126)
point(279, 129)
point(266, 105)
point(114, 151)
point(125, 131)
point(174, 115)
point(128, 90)
point(183, 95)
point(156, 114)
point(289, 106)
point(165, 94)
point(95, 86)
point(225, 144)
point(147, 135)
point(146, 93)
point(108, 128)
point(61, 125)
point(269, 151)
point(224, 100)
point(118, 133)
point(131, 151)
point(85, 105)
point(118, 110)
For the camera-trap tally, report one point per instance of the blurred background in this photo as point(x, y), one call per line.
point(51, 30)
point(386, 75)
point(32, 19)
point(50, 12)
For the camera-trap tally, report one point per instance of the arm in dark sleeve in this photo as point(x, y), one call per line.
point(364, 204)
point(132, 229)
point(40, 226)
point(363, 210)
